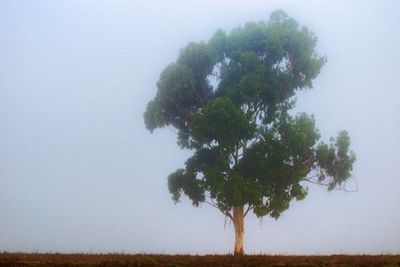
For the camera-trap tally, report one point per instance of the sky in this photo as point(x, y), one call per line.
point(80, 173)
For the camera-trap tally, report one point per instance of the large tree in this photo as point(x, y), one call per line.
point(230, 100)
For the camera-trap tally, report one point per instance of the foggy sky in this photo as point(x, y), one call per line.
point(80, 173)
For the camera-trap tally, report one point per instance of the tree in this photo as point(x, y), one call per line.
point(230, 100)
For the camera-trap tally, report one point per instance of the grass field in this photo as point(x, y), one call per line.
point(86, 260)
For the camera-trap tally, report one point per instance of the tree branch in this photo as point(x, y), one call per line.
point(249, 208)
point(341, 188)
point(212, 204)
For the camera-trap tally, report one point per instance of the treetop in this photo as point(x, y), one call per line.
point(230, 100)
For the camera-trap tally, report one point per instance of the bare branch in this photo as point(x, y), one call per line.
point(249, 208)
point(211, 204)
point(341, 188)
point(214, 205)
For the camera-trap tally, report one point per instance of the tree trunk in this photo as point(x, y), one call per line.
point(238, 224)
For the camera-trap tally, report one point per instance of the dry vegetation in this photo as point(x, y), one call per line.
point(113, 260)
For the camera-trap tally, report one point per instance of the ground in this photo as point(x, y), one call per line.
point(113, 260)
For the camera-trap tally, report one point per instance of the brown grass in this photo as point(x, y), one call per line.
point(113, 260)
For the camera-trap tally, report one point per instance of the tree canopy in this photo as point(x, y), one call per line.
point(230, 100)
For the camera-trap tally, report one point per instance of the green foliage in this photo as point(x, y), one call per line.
point(247, 147)
point(335, 160)
point(223, 121)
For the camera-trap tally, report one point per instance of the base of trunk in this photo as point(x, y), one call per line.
point(240, 252)
point(238, 223)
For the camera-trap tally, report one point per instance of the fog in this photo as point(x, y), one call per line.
point(80, 173)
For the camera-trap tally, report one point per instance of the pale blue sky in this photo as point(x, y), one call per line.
point(79, 172)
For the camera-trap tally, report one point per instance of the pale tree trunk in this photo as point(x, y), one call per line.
point(238, 224)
